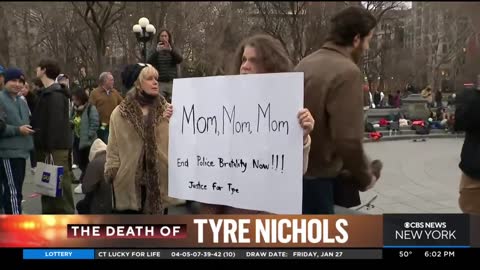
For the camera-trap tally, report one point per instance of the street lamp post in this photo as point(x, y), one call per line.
point(144, 32)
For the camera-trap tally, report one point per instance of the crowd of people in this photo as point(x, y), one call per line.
point(120, 143)
point(379, 100)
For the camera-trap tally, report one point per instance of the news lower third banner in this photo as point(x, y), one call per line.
point(331, 232)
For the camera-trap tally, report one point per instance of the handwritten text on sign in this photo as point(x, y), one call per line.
point(236, 141)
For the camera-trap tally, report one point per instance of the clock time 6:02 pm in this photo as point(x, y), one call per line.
point(439, 254)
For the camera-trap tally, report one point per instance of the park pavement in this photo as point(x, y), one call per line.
point(418, 177)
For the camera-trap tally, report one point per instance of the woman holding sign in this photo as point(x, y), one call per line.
point(137, 150)
point(264, 54)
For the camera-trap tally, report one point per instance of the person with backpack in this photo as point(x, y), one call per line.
point(85, 122)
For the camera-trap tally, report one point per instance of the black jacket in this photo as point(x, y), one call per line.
point(31, 101)
point(467, 118)
point(166, 61)
point(50, 120)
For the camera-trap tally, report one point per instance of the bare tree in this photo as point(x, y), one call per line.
point(318, 23)
point(99, 17)
point(447, 39)
point(4, 45)
point(379, 8)
point(379, 54)
point(286, 21)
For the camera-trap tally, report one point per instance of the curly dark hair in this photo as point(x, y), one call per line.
point(271, 54)
point(81, 94)
point(350, 22)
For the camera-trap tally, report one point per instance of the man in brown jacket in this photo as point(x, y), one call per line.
point(105, 98)
point(333, 94)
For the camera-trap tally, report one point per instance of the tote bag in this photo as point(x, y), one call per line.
point(48, 179)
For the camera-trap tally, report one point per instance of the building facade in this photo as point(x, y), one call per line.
point(440, 37)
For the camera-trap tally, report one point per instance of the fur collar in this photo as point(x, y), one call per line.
point(130, 110)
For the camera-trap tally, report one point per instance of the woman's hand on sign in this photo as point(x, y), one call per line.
point(168, 112)
point(306, 122)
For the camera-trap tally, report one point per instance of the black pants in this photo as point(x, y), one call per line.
point(318, 196)
point(33, 159)
point(12, 175)
point(81, 156)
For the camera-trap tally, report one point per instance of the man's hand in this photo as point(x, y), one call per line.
point(376, 168)
point(372, 183)
point(375, 172)
point(26, 130)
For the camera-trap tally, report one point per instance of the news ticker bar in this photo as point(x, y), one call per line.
point(393, 253)
point(142, 254)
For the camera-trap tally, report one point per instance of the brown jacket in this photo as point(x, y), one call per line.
point(334, 96)
point(105, 103)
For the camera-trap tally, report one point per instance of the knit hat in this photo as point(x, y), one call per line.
point(130, 74)
point(12, 74)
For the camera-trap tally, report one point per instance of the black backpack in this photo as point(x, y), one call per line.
point(422, 130)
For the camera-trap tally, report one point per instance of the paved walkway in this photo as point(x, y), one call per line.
point(418, 177)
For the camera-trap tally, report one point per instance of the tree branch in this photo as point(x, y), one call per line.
point(93, 13)
point(115, 16)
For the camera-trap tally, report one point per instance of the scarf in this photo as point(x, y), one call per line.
point(147, 173)
point(145, 99)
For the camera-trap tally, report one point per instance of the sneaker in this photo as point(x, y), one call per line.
point(78, 189)
point(33, 170)
point(23, 207)
point(74, 166)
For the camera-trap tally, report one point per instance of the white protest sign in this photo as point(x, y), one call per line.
point(236, 141)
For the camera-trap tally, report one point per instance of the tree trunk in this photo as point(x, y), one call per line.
point(100, 48)
point(4, 45)
point(28, 41)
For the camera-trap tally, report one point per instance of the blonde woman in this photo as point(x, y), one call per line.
point(137, 150)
